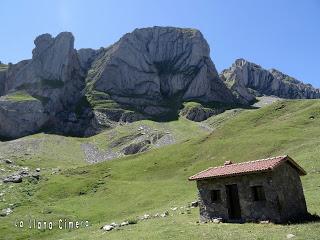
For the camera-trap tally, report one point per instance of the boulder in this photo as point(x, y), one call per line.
point(5, 212)
point(217, 220)
point(8, 161)
point(125, 223)
point(16, 178)
point(195, 204)
point(107, 227)
point(290, 235)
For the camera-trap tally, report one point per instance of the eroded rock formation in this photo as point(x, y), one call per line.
point(155, 69)
point(247, 80)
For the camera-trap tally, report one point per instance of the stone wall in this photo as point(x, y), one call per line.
point(278, 204)
point(288, 187)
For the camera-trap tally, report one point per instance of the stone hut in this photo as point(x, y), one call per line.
point(262, 190)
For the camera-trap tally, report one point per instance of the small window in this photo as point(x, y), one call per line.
point(215, 195)
point(258, 193)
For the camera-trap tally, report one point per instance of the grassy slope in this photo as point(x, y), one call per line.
point(20, 96)
point(157, 180)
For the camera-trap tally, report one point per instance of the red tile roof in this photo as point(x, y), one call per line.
point(232, 169)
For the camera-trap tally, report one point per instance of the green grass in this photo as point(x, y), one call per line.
point(157, 180)
point(20, 96)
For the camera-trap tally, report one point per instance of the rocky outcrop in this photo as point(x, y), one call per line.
point(196, 112)
point(247, 80)
point(3, 77)
point(20, 117)
point(87, 56)
point(153, 70)
point(54, 78)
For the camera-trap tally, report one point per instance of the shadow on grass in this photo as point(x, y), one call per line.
point(308, 218)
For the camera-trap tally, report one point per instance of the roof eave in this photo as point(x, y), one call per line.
point(228, 176)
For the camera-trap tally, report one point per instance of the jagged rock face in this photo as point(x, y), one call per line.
point(248, 80)
point(3, 77)
point(54, 77)
point(87, 56)
point(53, 72)
point(153, 69)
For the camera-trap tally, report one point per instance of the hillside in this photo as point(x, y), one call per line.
point(155, 181)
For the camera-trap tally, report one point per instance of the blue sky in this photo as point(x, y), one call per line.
point(281, 34)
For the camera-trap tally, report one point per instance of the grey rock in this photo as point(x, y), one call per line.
point(136, 147)
point(107, 227)
point(3, 78)
point(199, 113)
point(114, 224)
point(5, 212)
point(53, 76)
point(125, 223)
point(151, 67)
point(290, 235)
point(8, 161)
point(16, 178)
point(195, 204)
point(87, 56)
point(20, 118)
point(248, 80)
point(217, 220)
point(165, 214)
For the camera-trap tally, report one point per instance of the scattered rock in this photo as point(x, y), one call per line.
point(8, 161)
point(36, 175)
point(13, 178)
point(114, 224)
point(107, 227)
point(137, 147)
point(55, 170)
point(125, 223)
point(24, 172)
point(290, 235)
point(174, 208)
point(38, 169)
point(264, 222)
point(5, 212)
point(165, 214)
point(195, 203)
point(145, 216)
point(217, 220)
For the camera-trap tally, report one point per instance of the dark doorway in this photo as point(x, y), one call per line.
point(234, 210)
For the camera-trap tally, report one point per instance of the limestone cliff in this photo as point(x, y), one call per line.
point(53, 76)
point(247, 80)
point(154, 70)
